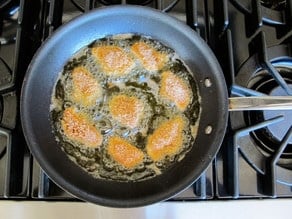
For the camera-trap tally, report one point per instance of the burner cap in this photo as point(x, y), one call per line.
point(269, 138)
point(280, 129)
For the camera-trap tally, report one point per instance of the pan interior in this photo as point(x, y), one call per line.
point(154, 107)
point(70, 38)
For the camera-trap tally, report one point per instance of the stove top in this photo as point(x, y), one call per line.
point(250, 38)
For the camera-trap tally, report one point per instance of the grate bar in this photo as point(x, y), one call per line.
point(237, 90)
point(275, 159)
point(200, 186)
point(89, 5)
point(241, 133)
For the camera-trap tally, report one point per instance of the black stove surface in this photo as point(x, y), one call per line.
point(252, 41)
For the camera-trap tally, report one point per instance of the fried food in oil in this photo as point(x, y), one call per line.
point(124, 153)
point(151, 59)
point(175, 89)
point(77, 127)
point(126, 109)
point(113, 60)
point(86, 89)
point(167, 139)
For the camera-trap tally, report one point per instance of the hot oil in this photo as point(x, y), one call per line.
point(138, 83)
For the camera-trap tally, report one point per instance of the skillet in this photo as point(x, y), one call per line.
point(49, 61)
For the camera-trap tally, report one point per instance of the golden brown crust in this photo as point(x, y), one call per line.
point(86, 89)
point(126, 109)
point(175, 89)
point(167, 139)
point(77, 127)
point(124, 153)
point(113, 60)
point(151, 59)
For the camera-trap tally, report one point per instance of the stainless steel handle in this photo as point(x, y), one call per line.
point(260, 103)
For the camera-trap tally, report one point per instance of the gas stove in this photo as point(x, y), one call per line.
point(250, 38)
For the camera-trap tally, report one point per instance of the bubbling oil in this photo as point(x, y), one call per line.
point(138, 83)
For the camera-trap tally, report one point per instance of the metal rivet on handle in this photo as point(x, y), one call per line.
point(207, 82)
point(208, 130)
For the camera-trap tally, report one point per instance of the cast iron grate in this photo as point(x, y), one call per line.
point(248, 37)
point(253, 45)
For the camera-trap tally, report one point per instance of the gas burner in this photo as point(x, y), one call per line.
point(269, 138)
point(274, 4)
point(264, 130)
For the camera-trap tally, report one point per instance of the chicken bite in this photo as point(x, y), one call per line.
point(151, 59)
point(175, 89)
point(124, 153)
point(77, 127)
point(114, 61)
point(86, 89)
point(167, 139)
point(126, 110)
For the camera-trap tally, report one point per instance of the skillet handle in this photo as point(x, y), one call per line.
point(260, 103)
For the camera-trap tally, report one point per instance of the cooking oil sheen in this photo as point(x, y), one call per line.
point(138, 83)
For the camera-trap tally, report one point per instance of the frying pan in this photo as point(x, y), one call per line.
point(58, 49)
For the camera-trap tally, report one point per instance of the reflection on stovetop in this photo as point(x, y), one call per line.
point(252, 41)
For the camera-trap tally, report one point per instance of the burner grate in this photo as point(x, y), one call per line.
point(243, 169)
point(251, 39)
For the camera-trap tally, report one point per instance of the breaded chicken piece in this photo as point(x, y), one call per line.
point(124, 153)
point(126, 110)
point(167, 139)
point(113, 60)
point(175, 89)
point(86, 89)
point(77, 127)
point(151, 59)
